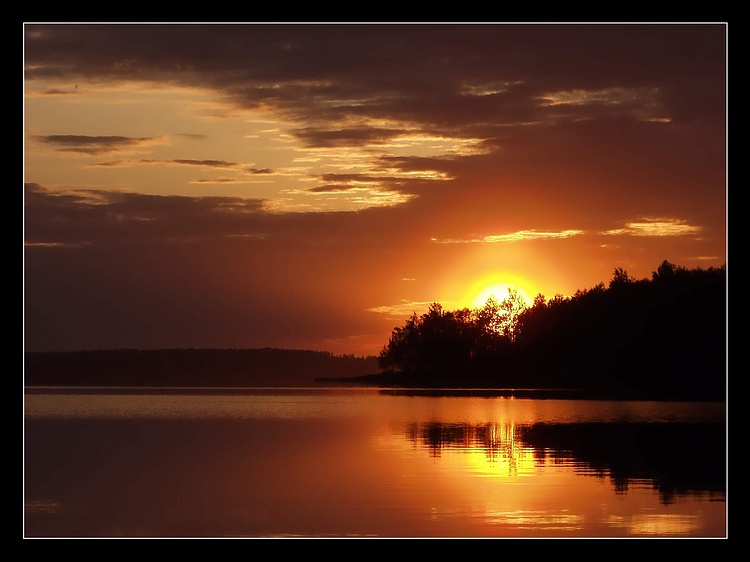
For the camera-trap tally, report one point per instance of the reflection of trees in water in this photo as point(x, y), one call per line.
point(497, 441)
point(671, 458)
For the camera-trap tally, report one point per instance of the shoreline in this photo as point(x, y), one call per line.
point(421, 385)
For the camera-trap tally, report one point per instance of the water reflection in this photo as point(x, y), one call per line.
point(272, 463)
point(673, 459)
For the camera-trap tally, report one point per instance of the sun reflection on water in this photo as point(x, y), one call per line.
point(490, 449)
point(557, 521)
point(657, 524)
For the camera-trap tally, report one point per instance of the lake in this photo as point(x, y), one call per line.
point(357, 462)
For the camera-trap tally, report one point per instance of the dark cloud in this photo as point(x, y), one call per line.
point(95, 217)
point(316, 137)
point(351, 177)
point(111, 164)
point(331, 188)
point(178, 161)
point(221, 180)
point(59, 92)
point(449, 165)
point(461, 77)
point(93, 145)
point(209, 163)
point(191, 136)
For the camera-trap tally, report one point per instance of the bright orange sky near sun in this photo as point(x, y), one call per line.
point(310, 186)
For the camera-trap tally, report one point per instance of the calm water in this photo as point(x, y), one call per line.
point(368, 463)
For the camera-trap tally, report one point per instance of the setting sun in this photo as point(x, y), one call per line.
point(482, 290)
point(500, 291)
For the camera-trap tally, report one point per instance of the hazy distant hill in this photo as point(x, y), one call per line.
point(190, 367)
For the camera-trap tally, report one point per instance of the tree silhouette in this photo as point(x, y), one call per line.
point(663, 337)
point(441, 341)
point(619, 278)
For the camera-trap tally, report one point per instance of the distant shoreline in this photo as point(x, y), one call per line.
point(423, 385)
point(236, 371)
point(368, 382)
point(189, 367)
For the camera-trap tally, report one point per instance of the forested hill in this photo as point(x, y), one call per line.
point(658, 338)
point(664, 337)
point(190, 367)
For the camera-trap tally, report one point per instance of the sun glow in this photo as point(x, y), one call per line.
point(481, 291)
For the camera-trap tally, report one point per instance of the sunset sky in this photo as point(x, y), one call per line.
point(309, 186)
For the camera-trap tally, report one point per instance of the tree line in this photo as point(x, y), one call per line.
point(661, 337)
